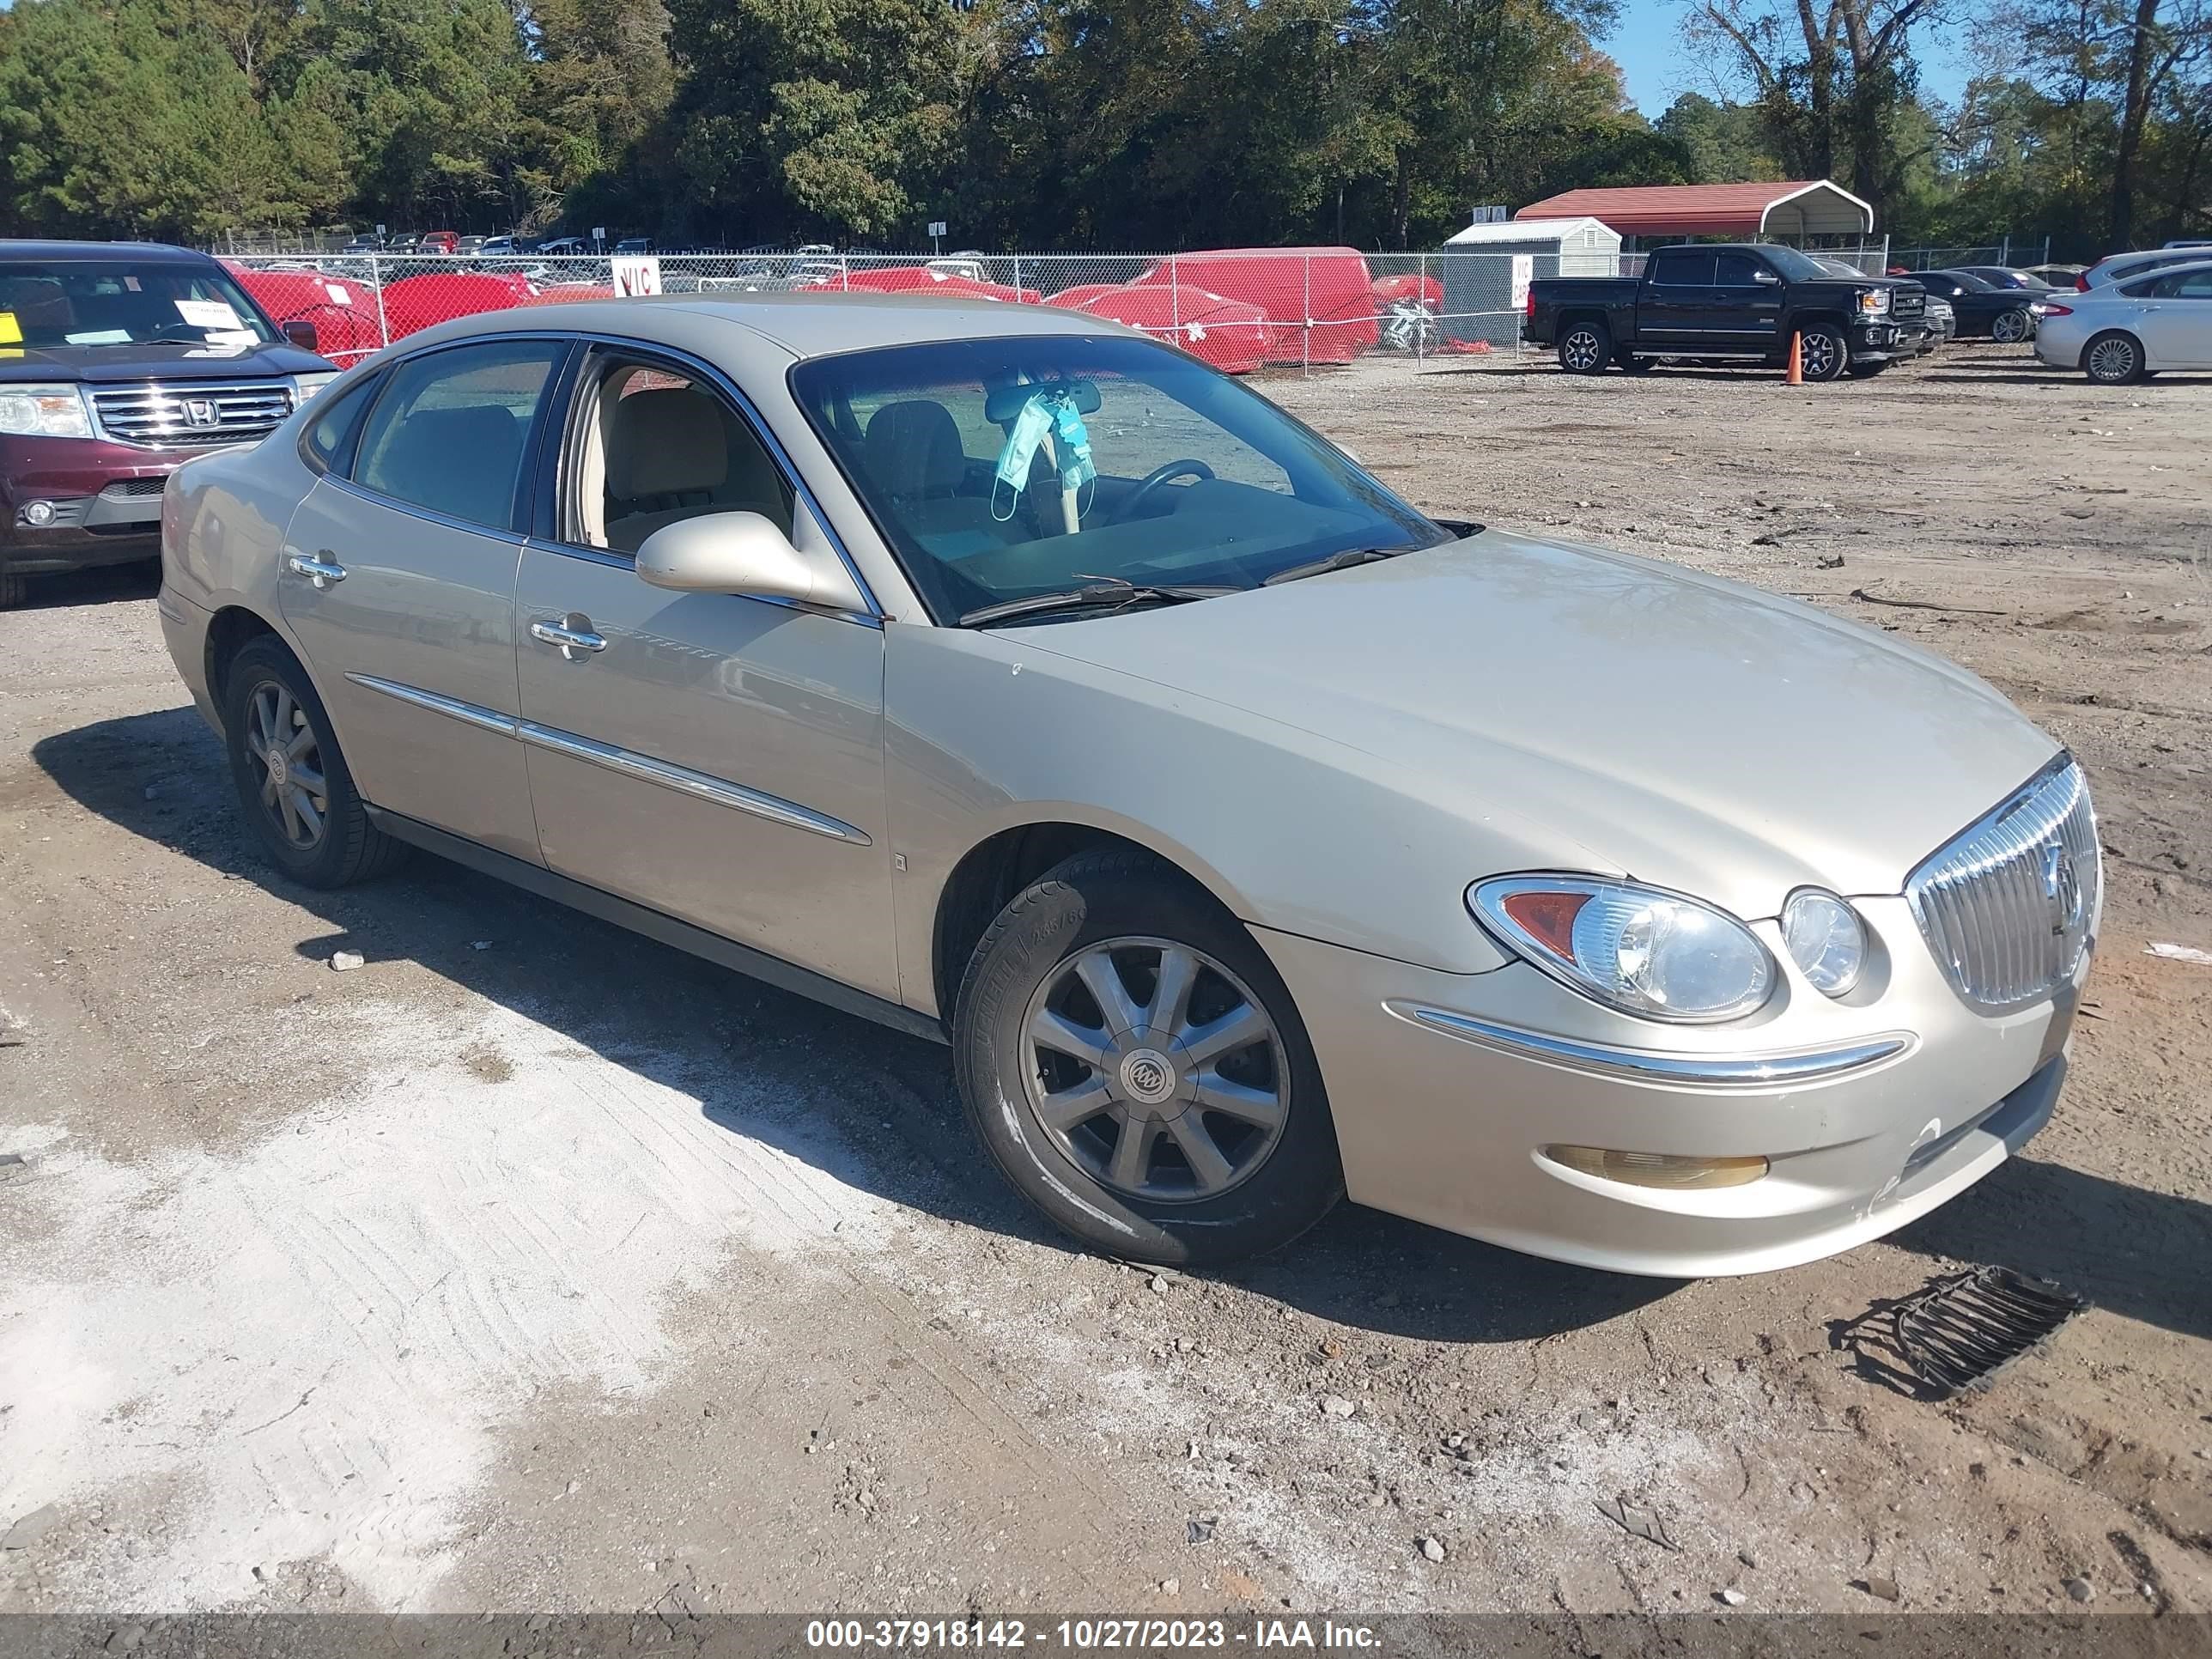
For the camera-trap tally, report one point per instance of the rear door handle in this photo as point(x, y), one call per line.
point(321, 570)
point(570, 639)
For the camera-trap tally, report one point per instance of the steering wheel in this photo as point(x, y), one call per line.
point(1152, 480)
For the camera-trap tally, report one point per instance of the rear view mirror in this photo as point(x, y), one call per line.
point(301, 333)
point(735, 553)
point(1763, 275)
point(1003, 402)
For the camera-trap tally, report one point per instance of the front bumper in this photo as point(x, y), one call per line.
point(1879, 342)
point(101, 509)
point(1446, 1089)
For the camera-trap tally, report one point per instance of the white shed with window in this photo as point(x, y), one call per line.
point(1487, 267)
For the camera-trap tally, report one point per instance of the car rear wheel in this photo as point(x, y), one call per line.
point(1824, 355)
point(293, 782)
point(1586, 348)
point(2113, 358)
point(1134, 1064)
point(14, 590)
point(2011, 327)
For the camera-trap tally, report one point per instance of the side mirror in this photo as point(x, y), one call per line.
point(734, 553)
point(1763, 275)
point(301, 333)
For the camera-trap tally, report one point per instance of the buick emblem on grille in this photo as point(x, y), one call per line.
point(2062, 890)
point(199, 411)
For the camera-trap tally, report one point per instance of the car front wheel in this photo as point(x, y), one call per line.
point(1824, 355)
point(2113, 359)
point(1134, 1065)
point(2011, 327)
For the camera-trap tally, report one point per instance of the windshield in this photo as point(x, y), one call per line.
point(1796, 266)
point(1001, 469)
point(101, 302)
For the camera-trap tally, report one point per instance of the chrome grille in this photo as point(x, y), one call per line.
point(168, 415)
point(1911, 301)
point(2008, 905)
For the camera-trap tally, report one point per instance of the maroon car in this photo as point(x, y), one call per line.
point(118, 361)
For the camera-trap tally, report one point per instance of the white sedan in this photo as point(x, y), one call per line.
point(2122, 333)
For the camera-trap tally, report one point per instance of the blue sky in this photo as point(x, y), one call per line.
point(1648, 43)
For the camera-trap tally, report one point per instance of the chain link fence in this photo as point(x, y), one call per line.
point(2012, 253)
point(1240, 310)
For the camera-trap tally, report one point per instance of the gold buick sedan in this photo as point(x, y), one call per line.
point(1253, 838)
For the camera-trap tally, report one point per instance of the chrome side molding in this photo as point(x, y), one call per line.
point(628, 762)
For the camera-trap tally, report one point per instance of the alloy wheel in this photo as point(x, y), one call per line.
point(1819, 359)
point(2010, 328)
point(2113, 360)
point(287, 758)
point(1155, 1070)
point(1581, 351)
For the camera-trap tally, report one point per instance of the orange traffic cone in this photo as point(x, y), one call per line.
point(1796, 359)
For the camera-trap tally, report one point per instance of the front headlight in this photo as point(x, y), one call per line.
point(1874, 301)
point(1654, 954)
point(44, 411)
point(305, 386)
point(1825, 940)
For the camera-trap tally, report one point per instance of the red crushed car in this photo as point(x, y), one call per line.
point(1329, 286)
point(342, 312)
point(413, 303)
point(1232, 335)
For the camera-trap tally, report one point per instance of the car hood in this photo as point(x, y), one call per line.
point(1685, 730)
point(99, 365)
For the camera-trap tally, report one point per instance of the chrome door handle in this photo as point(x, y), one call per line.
point(570, 639)
point(319, 569)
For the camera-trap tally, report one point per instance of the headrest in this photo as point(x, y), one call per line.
point(914, 449)
point(667, 441)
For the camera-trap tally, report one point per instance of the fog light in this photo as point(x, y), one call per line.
point(37, 512)
point(1659, 1169)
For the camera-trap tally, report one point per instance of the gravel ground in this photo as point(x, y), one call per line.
point(532, 1265)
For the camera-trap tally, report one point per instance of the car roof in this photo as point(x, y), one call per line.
point(152, 252)
point(2171, 267)
point(805, 324)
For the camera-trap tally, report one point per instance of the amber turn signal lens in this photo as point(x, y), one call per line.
point(1548, 917)
point(1659, 1169)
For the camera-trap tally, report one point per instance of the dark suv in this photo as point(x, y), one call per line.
point(118, 360)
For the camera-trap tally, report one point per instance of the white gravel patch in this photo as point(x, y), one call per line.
point(309, 1345)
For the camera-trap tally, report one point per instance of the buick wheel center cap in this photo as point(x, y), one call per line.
point(1148, 1076)
point(279, 770)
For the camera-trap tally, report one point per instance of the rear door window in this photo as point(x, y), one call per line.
point(450, 431)
point(1682, 268)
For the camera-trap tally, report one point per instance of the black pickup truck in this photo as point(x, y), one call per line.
point(1731, 304)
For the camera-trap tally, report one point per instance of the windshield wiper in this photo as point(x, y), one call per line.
point(1343, 561)
point(1110, 594)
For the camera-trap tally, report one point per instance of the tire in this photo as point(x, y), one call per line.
point(2113, 358)
point(14, 590)
point(1826, 356)
point(319, 840)
point(1866, 371)
point(1586, 348)
point(1112, 918)
point(2011, 327)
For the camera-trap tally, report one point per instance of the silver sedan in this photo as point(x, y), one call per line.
point(1253, 837)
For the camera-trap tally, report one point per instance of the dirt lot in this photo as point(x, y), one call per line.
point(532, 1264)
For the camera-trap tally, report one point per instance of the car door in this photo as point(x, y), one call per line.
point(397, 581)
point(1747, 301)
point(714, 758)
point(2175, 320)
point(1676, 298)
